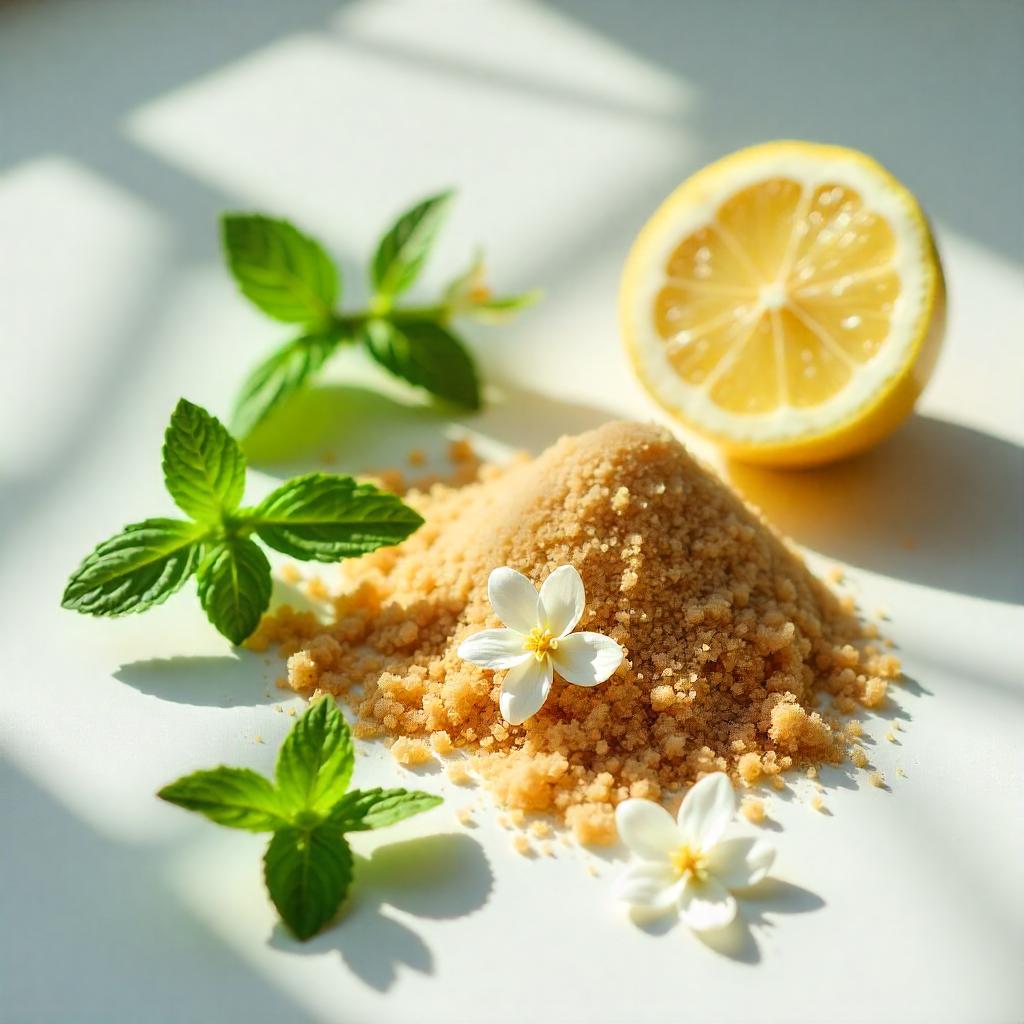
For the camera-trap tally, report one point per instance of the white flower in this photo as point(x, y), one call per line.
point(537, 642)
point(684, 862)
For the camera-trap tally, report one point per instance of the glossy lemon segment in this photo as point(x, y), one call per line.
point(786, 301)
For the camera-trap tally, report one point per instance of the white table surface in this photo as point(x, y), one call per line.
point(125, 127)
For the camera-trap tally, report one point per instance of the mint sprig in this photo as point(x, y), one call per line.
point(320, 516)
point(290, 277)
point(308, 863)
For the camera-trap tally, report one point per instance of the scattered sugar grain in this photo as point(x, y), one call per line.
point(461, 451)
point(411, 752)
point(521, 844)
point(753, 809)
point(876, 779)
point(441, 742)
point(458, 773)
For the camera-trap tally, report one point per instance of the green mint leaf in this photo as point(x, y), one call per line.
point(236, 797)
point(278, 268)
point(427, 355)
point(402, 252)
point(498, 310)
point(324, 517)
point(282, 374)
point(234, 586)
point(363, 809)
point(315, 762)
point(204, 468)
point(308, 872)
point(140, 567)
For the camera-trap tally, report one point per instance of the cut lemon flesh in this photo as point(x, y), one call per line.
point(786, 301)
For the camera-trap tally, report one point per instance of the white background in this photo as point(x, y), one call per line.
point(124, 129)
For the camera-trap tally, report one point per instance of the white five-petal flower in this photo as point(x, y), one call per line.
point(684, 862)
point(536, 642)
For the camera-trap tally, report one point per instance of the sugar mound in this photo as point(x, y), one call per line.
point(737, 658)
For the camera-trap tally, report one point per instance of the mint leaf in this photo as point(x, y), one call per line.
point(403, 250)
point(138, 568)
point(235, 797)
point(307, 873)
point(364, 809)
point(282, 374)
point(324, 517)
point(279, 269)
point(234, 586)
point(427, 355)
point(315, 762)
point(204, 469)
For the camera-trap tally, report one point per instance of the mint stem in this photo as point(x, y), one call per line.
point(353, 322)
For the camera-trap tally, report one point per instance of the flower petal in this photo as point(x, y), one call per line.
point(706, 810)
point(648, 884)
point(586, 659)
point(740, 863)
point(562, 599)
point(524, 690)
point(706, 905)
point(647, 829)
point(514, 598)
point(494, 648)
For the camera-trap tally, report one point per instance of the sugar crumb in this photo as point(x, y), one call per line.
point(753, 810)
point(521, 844)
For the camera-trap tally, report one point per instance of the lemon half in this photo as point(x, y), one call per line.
point(786, 301)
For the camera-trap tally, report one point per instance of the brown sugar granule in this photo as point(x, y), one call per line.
point(461, 451)
point(859, 756)
point(522, 845)
point(817, 802)
point(749, 767)
point(458, 773)
point(410, 751)
point(290, 573)
point(441, 742)
point(753, 810)
point(417, 457)
point(733, 648)
point(876, 779)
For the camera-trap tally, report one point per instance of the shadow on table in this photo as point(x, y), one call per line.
point(757, 910)
point(438, 877)
point(362, 429)
point(937, 504)
point(227, 681)
point(103, 910)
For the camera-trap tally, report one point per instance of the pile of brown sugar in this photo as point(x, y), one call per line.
point(737, 658)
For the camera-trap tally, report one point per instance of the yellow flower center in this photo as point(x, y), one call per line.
point(689, 862)
point(540, 642)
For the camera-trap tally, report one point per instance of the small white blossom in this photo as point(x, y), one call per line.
point(684, 862)
point(537, 641)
